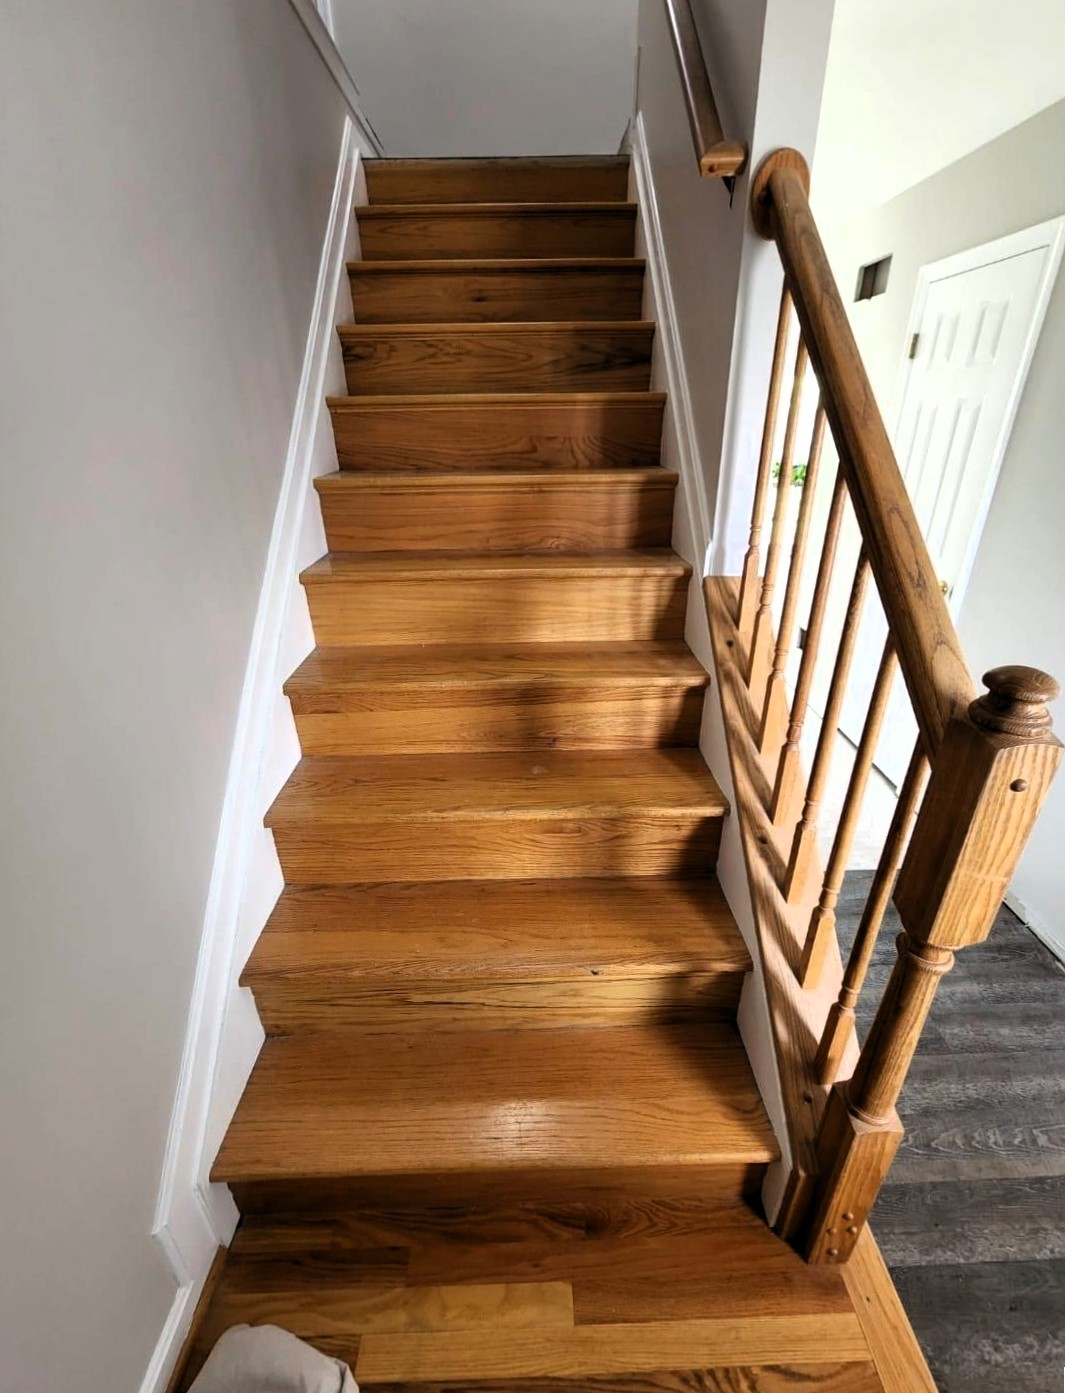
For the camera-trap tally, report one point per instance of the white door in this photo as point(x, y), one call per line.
point(974, 326)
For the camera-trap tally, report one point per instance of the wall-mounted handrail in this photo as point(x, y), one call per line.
point(718, 158)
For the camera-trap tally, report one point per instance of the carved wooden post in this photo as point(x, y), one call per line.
point(989, 777)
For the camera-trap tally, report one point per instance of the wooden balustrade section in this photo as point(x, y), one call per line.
point(977, 778)
point(718, 157)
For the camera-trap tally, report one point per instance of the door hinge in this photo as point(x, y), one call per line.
point(913, 345)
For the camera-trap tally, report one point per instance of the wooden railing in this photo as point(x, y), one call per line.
point(976, 780)
point(718, 157)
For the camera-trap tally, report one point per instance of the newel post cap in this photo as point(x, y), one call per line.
point(1015, 702)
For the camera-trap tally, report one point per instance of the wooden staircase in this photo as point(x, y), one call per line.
point(503, 1132)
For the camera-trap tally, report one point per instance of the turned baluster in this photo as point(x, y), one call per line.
point(762, 641)
point(839, 1027)
point(775, 706)
point(785, 790)
point(749, 577)
point(990, 775)
point(804, 841)
point(822, 926)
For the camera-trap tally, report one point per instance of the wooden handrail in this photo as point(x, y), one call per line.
point(990, 763)
point(930, 656)
point(718, 158)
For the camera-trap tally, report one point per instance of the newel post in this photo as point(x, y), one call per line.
point(989, 778)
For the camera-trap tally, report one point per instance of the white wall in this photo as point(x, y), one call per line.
point(915, 85)
point(167, 171)
point(1014, 608)
point(492, 77)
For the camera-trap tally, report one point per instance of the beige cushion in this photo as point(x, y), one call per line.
point(265, 1359)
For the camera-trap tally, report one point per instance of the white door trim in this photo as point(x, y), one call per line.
point(1050, 234)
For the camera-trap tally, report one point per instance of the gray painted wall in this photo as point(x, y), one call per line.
point(492, 77)
point(1014, 609)
point(169, 170)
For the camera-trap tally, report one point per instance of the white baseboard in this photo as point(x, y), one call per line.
point(192, 1216)
point(1052, 937)
point(679, 408)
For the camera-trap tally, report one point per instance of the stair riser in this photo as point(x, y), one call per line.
point(567, 358)
point(507, 435)
point(333, 1004)
point(443, 1194)
point(602, 517)
point(421, 236)
point(532, 295)
point(494, 848)
point(479, 722)
point(479, 181)
point(493, 610)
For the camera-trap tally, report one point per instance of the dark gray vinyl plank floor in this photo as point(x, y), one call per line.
point(972, 1220)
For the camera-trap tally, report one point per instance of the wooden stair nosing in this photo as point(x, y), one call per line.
point(332, 672)
point(499, 930)
point(345, 790)
point(348, 1106)
point(339, 568)
point(532, 209)
point(464, 266)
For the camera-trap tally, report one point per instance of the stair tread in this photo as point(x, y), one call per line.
point(538, 930)
point(548, 207)
point(460, 665)
point(542, 784)
point(429, 565)
point(466, 265)
point(438, 400)
point(372, 1105)
point(482, 327)
point(638, 477)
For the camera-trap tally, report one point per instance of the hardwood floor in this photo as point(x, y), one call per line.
point(650, 1294)
point(972, 1219)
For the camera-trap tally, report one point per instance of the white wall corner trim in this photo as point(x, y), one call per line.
point(319, 29)
point(679, 403)
point(193, 1217)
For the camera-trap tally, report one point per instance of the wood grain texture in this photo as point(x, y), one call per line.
point(605, 1349)
point(555, 178)
point(498, 816)
point(311, 1307)
point(499, 289)
point(398, 231)
point(605, 510)
point(376, 598)
point(896, 1353)
point(779, 1378)
point(494, 431)
point(398, 1105)
point(406, 358)
point(481, 698)
point(645, 1270)
point(496, 955)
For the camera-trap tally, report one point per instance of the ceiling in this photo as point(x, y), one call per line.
point(913, 85)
